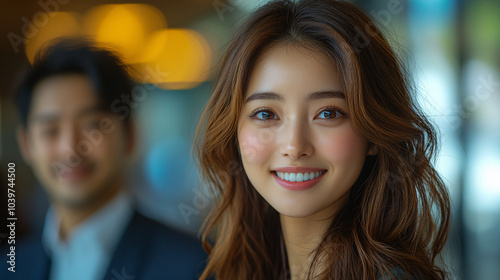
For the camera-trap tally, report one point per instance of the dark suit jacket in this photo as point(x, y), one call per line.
point(146, 251)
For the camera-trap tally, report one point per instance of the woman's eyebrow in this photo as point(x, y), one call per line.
point(325, 94)
point(264, 95)
point(312, 96)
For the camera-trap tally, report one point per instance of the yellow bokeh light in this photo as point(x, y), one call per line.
point(124, 27)
point(174, 59)
point(59, 24)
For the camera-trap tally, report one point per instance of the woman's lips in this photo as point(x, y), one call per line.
point(297, 178)
point(297, 169)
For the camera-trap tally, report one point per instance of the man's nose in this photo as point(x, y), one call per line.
point(70, 139)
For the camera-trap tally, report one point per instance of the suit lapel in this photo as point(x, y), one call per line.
point(32, 261)
point(126, 261)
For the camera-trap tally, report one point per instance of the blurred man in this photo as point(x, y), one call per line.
point(77, 137)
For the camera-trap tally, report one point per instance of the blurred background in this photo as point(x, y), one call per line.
point(452, 48)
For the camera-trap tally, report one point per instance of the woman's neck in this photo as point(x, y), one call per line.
point(302, 236)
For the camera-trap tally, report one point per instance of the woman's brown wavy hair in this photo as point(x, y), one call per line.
point(398, 214)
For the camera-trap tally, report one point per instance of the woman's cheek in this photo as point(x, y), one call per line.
point(255, 144)
point(344, 145)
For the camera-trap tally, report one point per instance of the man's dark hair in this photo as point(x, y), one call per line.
point(101, 66)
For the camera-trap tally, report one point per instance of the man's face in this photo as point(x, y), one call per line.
point(77, 151)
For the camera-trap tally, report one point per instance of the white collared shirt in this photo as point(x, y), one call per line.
point(87, 251)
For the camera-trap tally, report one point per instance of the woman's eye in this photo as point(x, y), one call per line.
point(266, 115)
point(263, 115)
point(330, 114)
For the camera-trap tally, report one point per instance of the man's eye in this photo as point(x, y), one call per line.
point(49, 132)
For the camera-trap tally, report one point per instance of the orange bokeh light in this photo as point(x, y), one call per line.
point(169, 58)
point(123, 27)
point(59, 24)
point(180, 57)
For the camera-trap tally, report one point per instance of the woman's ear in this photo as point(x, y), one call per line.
point(22, 142)
point(372, 149)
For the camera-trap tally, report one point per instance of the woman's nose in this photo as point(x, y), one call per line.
point(295, 140)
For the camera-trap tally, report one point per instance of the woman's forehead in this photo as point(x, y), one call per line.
point(285, 68)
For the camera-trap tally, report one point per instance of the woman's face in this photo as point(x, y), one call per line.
point(297, 144)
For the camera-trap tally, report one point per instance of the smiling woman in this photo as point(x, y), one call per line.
point(333, 176)
point(295, 96)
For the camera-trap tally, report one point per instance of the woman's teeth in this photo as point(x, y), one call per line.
point(299, 177)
